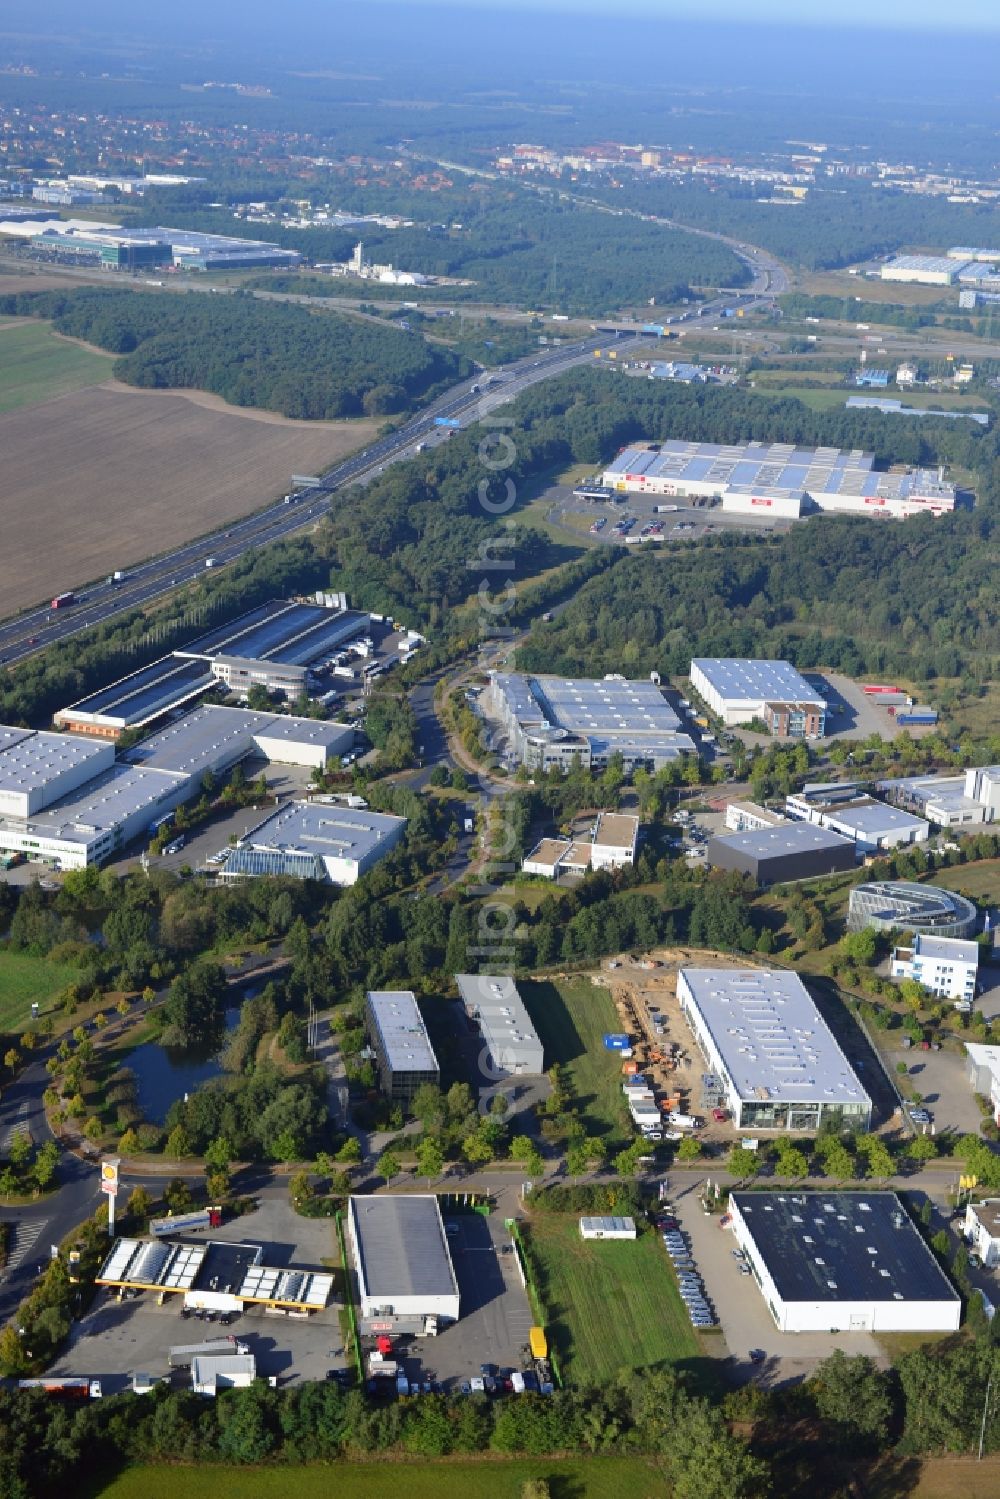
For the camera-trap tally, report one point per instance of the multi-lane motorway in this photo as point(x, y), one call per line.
point(99, 602)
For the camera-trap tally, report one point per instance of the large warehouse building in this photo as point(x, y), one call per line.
point(777, 480)
point(787, 851)
point(738, 691)
point(406, 1280)
point(113, 248)
point(780, 1067)
point(950, 801)
point(870, 824)
point(276, 646)
point(924, 270)
point(550, 722)
point(315, 840)
point(843, 1262)
point(67, 800)
point(404, 1056)
point(904, 906)
point(512, 1044)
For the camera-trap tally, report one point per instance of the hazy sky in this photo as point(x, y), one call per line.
point(970, 15)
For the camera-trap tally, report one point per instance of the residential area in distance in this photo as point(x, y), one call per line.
point(499, 755)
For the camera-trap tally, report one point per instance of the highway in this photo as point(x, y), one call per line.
point(35, 629)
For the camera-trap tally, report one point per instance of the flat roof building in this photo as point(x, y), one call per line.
point(315, 840)
point(554, 721)
point(777, 1059)
point(611, 845)
point(777, 480)
point(36, 769)
point(750, 817)
point(787, 851)
point(984, 1074)
point(924, 270)
point(492, 1001)
point(607, 1228)
point(904, 905)
point(947, 966)
point(404, 1056)
point(402, 1260)
point(842, 1262)
point(737, 691)
point(949, 801)
point(870, 824)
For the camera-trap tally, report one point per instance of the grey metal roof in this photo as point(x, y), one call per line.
point(630, 717)
point(200, 739)
point(946, 949)
point(402, 1246)
point(741, 681)
point(100, 805)
point(145, 694)
point(873, 818)
point(504, 1021)
point(400, 1025)
point(323, 830)
point(784, 838)
point(773, 1041)
point(29, 761)
point(909, 905)
point(842, 1246)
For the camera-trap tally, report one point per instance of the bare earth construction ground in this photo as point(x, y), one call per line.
point(105, 477)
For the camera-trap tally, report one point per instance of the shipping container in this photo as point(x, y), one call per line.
point(616, 1041)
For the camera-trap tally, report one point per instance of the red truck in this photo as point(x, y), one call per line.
point(63, 600)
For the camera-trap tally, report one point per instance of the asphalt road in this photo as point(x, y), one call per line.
point(42, 626)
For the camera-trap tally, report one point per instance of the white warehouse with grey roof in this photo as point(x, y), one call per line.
point(492, 1001)
point(781, 1067)
point(739, 690)
point(315, 840)
point(402, 1261)
point(554, 721)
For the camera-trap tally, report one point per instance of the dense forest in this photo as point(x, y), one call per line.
point(269, 354)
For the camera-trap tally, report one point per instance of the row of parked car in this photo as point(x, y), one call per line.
point(689, 1282)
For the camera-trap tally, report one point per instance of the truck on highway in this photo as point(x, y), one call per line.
point(63, 600)
point(211, 561)
point(186, 1223)
point(117, 576)
point(447, 421)
point(181, 1355)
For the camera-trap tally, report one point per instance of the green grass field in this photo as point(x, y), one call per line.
point(980, 881)
point(35, 365)
point(609, 1306)
point(24, 981)
point(571, 1016)
point(590, 1478)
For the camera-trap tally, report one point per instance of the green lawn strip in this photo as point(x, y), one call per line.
point(588, 1478)
point(571, 1017)
point(35, 365)
point(27, 980)
point(610, 1305)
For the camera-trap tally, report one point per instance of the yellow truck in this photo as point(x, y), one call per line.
point(537, 1343)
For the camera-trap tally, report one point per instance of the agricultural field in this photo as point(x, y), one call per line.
point(110, 476)
point(583, 1478)
point(37, 365)
point(609, 1305)
point(25, 980)
point(571, 1017)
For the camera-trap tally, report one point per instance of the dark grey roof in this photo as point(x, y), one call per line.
point(402, 1245)
point(842, 1246)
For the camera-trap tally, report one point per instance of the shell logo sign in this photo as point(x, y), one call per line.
point(109, 1177)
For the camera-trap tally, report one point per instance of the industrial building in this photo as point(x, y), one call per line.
point(903, 905)
point(493, 1003)
point(777, 480)
point(776, 1058)
point(406, 1280)
point(947, 966)
point(115, 248)
point(750, 817)
point(984, 1074)
point(739, 691)
point(949, 801)
point(924, 270)
point(611, 845)
point(549, 721)
point(607, 1228)
point(843, 1262)
point(870, 824)
point(217, 1276)
point(278, 646)
point(404, 1056)
point(315, 840)
point(69, 801)
point(787, 851)
point(891, 407)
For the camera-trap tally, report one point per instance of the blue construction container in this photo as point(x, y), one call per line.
point(616, 1042)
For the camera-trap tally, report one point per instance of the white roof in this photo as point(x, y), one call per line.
point(324, 829)
point(503, 1019)
point(774, 1043)
point(946, 949)
point(29, 761)
point(740, 681)
point(405, 1042)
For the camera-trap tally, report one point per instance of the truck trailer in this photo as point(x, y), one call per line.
point(180, 1356)
point(186, 1223)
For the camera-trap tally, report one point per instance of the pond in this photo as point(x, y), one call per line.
point(164, 1073)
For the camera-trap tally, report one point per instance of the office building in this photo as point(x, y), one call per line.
point(406, 1280)
point(871, 825)
point(947, 966)
point(777, 481)
point(738, 691)
point(905, 906)
point(750, 817)
point(549, 721)
point(786, 851)
point(611, 845)
point(315, 840)
point(981, 1230)
point(778, 1063)
point(404, 1056)
point(495, 1006)
point(949, 801)
point(842, 1262)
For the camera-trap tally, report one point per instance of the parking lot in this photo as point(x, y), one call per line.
point(117, 1339)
